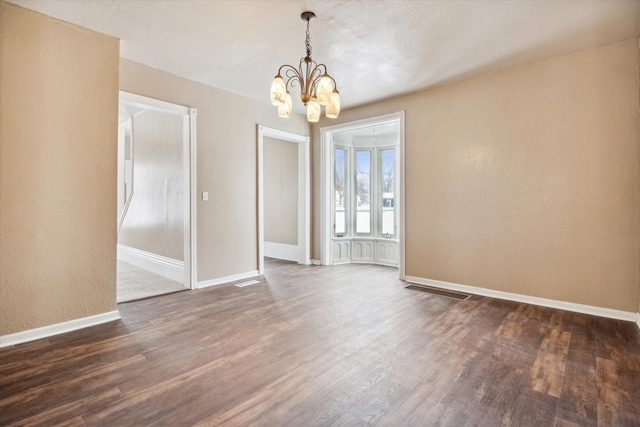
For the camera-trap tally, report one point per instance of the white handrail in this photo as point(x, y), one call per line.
point(127, 202)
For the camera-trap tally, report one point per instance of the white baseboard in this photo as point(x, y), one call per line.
point(228, 279)
point(316, 262)
point(163, 266)
point(562, 305)
point(282, 251)
point(58, 328)
point(388, 263)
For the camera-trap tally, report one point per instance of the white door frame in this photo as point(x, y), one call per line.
point(189, 167)
point(326, 136)
point(304, 192)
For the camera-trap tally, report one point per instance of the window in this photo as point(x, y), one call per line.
point(365, 188)
point(387, 185)
point(363, 192)
point(340, 178)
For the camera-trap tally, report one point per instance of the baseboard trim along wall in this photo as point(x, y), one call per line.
point(562, 305)
point(282, 251)
point(161, 265)
point(58, 328)
point(228, 279)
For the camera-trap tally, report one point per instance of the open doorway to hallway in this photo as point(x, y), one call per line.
point(154, 197)
point(284, 221)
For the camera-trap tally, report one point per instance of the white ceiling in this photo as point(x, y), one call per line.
point(374, 49)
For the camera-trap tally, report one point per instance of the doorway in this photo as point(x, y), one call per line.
point(362, 192)
point(284, 206)
point(156, 200)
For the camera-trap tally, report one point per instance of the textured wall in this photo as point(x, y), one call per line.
point(526, 180)
point(58, 116)
point(155, 218)
point(227, 163)
point(280, 162)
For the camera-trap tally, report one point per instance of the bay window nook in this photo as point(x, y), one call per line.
point(364, 209)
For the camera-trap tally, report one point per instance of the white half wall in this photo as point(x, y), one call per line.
point(282, 251)
point(163, 266)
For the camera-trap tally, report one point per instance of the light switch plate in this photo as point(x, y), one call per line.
point(205, 196)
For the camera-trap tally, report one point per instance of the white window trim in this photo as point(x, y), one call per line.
point(326, 224)
point(375, 191)
point(396, 188)
point(347, 190)
point(372, 188)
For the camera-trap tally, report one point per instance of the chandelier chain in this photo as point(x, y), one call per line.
point(308, 40)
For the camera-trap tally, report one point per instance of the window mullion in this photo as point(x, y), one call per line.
point(352, 193)
point(375, 199)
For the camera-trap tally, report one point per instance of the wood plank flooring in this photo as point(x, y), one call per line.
point(328, 346)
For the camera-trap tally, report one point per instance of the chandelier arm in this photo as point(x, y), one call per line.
point(320, 67)
point(307, 79)
point(318, 72)
point(310, 77)
point(288, 69)
point(290, 73)
point(291, 81)
point(304, 87)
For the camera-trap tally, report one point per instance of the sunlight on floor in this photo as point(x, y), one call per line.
point(135, 283)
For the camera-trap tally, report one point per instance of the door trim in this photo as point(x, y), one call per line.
point(189, 170)
point(326, 135)
point(304, 192)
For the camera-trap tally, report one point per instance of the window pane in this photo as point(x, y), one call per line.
point(340, 191)
point(388, 187)
point(363, 191)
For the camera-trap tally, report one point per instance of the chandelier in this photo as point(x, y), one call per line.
point(317, 87)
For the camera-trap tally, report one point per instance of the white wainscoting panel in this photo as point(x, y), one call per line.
point(163, 266)
point(282, 251)
point(341, 251)
point(363, 251)
point(387, 252)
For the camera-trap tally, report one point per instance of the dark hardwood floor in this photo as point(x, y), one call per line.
point(345, 345)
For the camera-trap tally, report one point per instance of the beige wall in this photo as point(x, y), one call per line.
point(526, 180)
point(227, 163)
point(280, 180)
point(155, 218)
point(58, 133)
